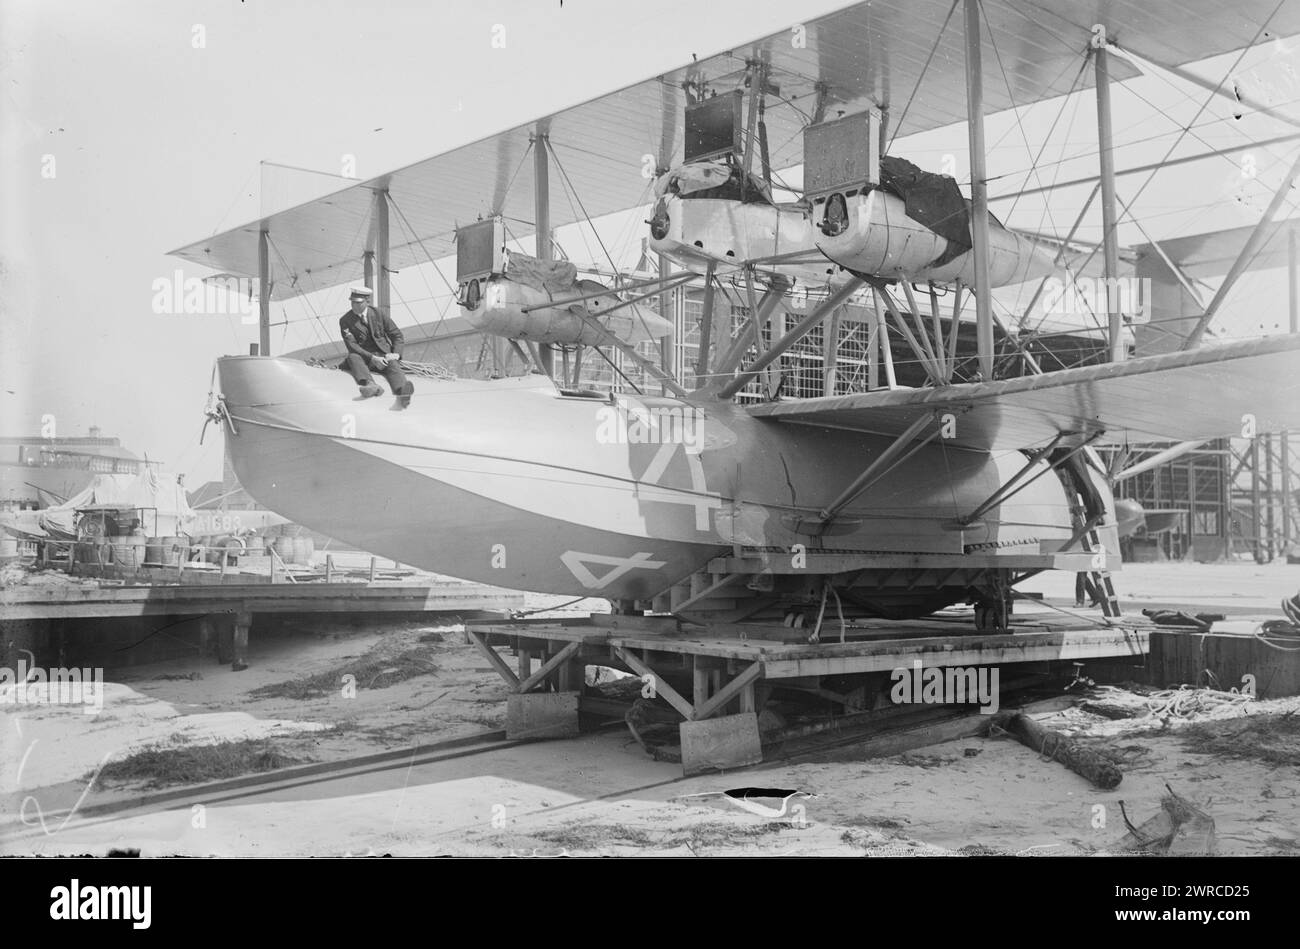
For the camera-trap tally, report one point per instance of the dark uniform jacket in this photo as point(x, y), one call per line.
point(373, 334)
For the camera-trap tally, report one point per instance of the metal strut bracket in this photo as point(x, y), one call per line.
point(1018, 482)
point(887, 461)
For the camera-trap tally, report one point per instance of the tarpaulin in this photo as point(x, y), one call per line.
point(712, 179)
point(552, 276)
point(932, 200)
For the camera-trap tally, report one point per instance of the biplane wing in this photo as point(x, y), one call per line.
point(904, 56)
point(1200, 394)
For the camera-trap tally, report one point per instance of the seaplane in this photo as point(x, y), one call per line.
point(719, 497)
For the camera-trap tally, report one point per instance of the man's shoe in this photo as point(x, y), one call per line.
point(370, 391)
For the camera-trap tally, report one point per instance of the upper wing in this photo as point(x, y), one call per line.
point(1200, 394)
point(863, 55)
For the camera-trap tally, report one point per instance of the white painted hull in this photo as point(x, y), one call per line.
point(510, 483)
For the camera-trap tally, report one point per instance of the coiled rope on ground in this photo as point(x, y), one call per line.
point(1190, 702)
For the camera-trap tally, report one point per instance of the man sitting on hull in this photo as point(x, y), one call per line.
point(374, 342)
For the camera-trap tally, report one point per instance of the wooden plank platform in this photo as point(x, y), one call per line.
point(715, 681)
point(768, 562)
point(1035, 642)
point(77, 601)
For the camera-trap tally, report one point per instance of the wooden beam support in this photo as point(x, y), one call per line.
point(661, 687)
point(802, 328)
point(706, 328)
point(706, 592)
point(920, 352)
point(542, 220)
point(1109, 215)
point(658, 374)
point(243, 622)
point(263, 293)
point(549, 666)
point(979, 206)
point(497, 662)
point(830, 352)
point(932, 350)
point(728, 692)
point(382, 262)
point(700, 680)
point(952, 330)
point(730, 359)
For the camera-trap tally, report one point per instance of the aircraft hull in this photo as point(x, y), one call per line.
point(512, 483)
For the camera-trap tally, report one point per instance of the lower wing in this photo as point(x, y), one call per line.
point(1235, 389)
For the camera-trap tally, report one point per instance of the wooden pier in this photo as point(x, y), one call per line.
point(53, 616)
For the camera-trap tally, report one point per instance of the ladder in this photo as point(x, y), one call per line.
point(1098, 579)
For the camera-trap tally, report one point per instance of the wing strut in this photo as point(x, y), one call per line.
point(647, 365)
point(924, 354)
point(706, 325)
point(1018, 482)
point(886, 462)
point(801, 329)
point(730, 360)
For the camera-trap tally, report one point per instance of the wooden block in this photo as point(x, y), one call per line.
point(225, 638)
point(542, 715)
point(719, 744)
point(700, 682)
point(239, 638)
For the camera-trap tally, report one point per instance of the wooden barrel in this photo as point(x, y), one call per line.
point(128, 549)
point(94, 550)
point(158, 550)
point(153, 552)
point(284, 548)
point(174, 549)
point(303, 548)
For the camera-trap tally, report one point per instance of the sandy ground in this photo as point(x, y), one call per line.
point(1243, 587)
point(600, 794)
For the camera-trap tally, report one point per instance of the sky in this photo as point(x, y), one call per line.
point(129, 129)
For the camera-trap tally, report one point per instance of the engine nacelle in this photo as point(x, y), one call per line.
point(703, 219)
point(557, 311)
point(870, 232)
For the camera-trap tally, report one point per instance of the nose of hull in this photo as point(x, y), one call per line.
point(502, 482)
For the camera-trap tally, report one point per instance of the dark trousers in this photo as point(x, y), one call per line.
point(397, 381)
point(1083, 585)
